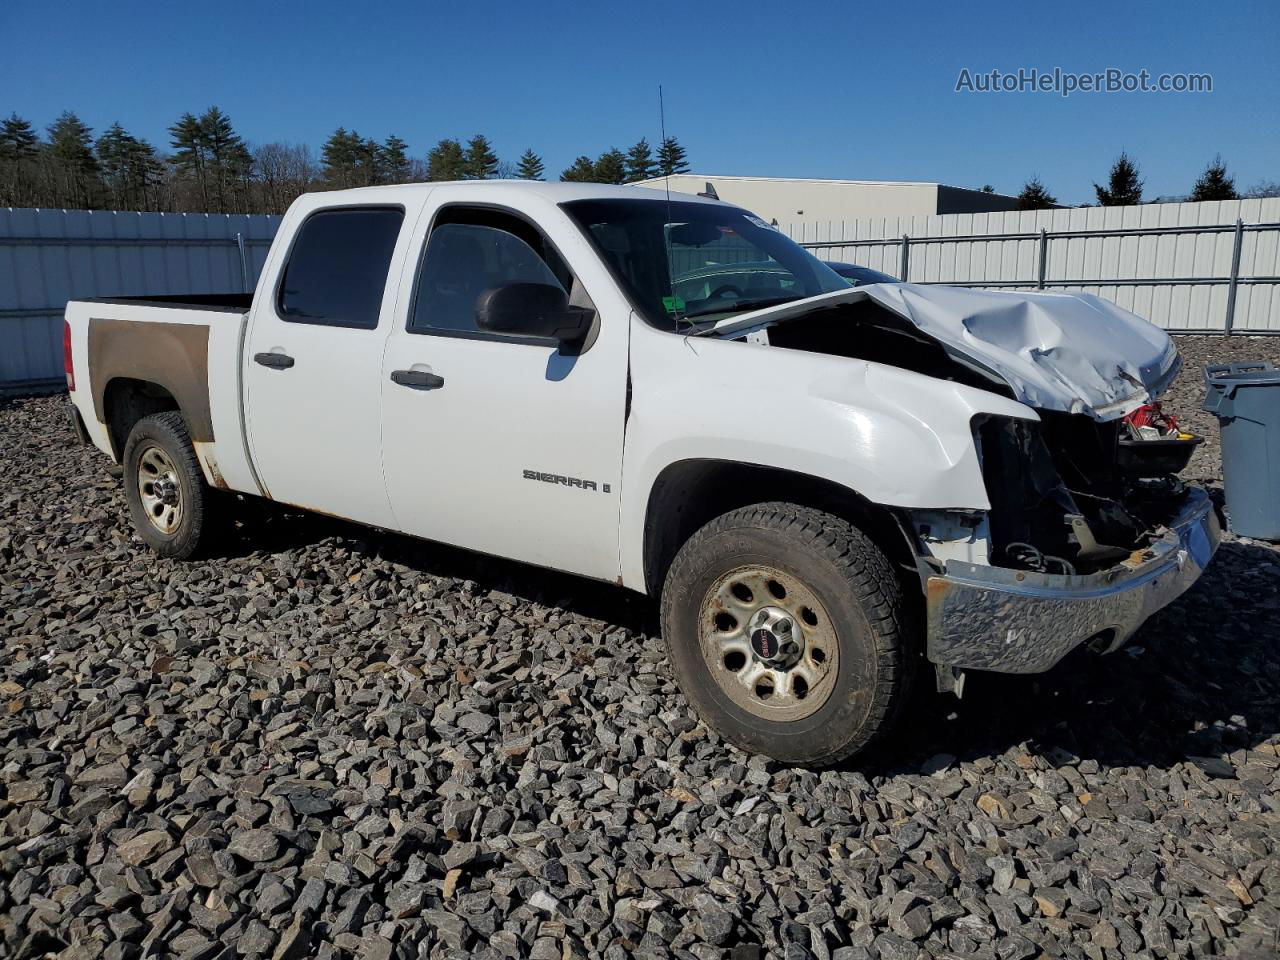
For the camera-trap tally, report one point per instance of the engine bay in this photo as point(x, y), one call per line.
point(865, 330)
point(1066, 500)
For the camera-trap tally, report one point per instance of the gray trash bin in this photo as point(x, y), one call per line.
point(1245, 397)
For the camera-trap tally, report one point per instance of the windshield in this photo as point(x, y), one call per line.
point(692, 263)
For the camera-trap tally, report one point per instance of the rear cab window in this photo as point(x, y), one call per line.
point(338, 267)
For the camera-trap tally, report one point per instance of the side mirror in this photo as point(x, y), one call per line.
point(532, 310)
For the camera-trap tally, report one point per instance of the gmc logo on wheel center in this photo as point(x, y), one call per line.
point(566, 481)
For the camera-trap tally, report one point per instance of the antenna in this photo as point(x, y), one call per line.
point(666, 183)
point(662, 123)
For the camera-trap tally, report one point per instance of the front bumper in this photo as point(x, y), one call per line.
point(1017, 621)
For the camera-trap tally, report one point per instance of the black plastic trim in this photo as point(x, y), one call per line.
point(235, 303)
point(77, 424)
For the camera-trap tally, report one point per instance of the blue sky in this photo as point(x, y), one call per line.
point(853, 90)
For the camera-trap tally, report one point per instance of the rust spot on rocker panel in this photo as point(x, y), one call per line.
point(204, 454)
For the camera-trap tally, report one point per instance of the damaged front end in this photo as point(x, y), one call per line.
point(1062, 498)
point(1087, 529)
point(1085, 539)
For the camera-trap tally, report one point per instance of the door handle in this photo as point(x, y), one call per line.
point(276, 361)
point(417, 379)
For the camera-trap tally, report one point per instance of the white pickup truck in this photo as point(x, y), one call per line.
point(828, 487)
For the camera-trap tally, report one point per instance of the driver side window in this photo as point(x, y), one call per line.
point(470, 251)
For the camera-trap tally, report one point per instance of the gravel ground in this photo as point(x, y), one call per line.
point(334, 743)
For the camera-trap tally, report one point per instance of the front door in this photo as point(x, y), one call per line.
point(313, 361)
point(503, 443)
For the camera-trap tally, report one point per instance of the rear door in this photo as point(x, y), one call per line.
point(503, 443)
point(313, 359)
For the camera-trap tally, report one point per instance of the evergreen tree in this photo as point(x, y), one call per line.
point(611, 167)
point(582, 170)
point(481, 162)
point(1214, 184)
point(190, 153)
point(446, 161)
point(339, 157)
point(530, 167)
point(130, 169)
point(394, 156)
point(671, 158)
point(370, 170)
point(1034, 196)
point(350, 160)
point(228, 160)
point(19, 155)
point(640, 164)
point(73, 169)
point(1123, 186)
point(18, 141)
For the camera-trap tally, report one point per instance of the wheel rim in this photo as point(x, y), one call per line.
point(159, 490)
point(769, 643)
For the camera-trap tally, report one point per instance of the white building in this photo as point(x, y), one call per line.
point(788, 200)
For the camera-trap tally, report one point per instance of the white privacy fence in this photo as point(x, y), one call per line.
point(1188, 267)
point(48, 257)
point(1193, 267)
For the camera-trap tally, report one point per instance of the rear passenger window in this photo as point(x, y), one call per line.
point(337, 269)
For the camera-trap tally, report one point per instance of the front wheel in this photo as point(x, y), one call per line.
point(785, 628)
point(172, 507)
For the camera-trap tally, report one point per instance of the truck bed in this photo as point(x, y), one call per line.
point(185, 348)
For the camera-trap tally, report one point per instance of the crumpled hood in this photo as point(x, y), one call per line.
point(1071, 352)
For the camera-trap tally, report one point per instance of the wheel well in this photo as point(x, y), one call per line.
point(126, 401)
point(689, 494)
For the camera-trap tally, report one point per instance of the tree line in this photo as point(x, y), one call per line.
point(209, 167)
point(1124, 187)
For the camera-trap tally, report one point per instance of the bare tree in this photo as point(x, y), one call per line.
point(284, 171)
point(1263, 189)
point(418, 170)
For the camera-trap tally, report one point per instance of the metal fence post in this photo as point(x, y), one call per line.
point(906, 257)
point(1235, 276)
point(1044, 257)
point(244, 263)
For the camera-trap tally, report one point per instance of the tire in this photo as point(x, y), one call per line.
point(849, 669)
point(174, 511)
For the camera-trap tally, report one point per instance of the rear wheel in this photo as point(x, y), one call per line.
point(785, 628)
point(172, 507)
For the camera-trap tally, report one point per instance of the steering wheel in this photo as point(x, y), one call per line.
point(724, 290)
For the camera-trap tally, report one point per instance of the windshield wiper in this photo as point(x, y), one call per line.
point(739, 306)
